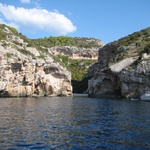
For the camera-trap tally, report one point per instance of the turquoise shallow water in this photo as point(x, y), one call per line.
point(73, 123)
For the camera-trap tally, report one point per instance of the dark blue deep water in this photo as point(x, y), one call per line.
point(74, 124)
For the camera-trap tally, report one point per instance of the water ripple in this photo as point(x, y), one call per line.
point(73, 123)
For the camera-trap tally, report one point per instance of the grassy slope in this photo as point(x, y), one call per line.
point(133, 45)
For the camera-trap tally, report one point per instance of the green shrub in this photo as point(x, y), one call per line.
point(65, 41)
point(41, 57)
point(147, 48)
point(25, 52)
point(74, 66)
point(9, 55)
point(13, 30)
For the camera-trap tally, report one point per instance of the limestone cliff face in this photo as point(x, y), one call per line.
point(76, 53)
point(25, 77)
point(120, 73)
point(25, 72)
point(28, 67)
point(135, 82)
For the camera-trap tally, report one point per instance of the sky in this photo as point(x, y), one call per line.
point(107, 20)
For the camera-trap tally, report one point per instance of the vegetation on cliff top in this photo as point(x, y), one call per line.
point(139, 38)
point(67, 41)
point(133, 45)
point(48, 42)
point(78, 68)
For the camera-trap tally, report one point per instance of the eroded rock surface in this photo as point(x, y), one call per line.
point(129, 78)
point(30, 78)
point(75, 52)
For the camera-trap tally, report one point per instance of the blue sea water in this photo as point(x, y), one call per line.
point(77, 123)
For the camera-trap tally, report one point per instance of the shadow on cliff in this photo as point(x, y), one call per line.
point(80, 86)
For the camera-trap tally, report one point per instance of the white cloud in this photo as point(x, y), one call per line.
point(40, 19)
point(25, 1)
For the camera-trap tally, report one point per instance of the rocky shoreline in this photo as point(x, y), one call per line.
point(129, 78)
point(26, 78)
point(26, 72)
point(122, 69)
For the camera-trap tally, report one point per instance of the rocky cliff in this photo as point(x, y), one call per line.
point(28, 71)
point(77, 53)
point(75, 48)
point(123, 68)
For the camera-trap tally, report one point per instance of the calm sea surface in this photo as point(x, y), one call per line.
point(77, 123)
